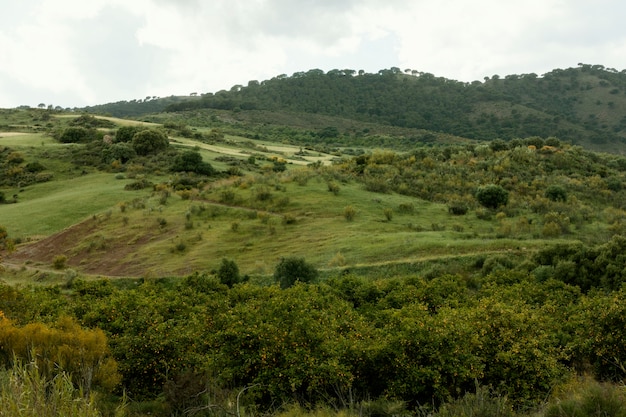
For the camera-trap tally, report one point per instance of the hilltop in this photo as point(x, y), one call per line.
point(583, 105)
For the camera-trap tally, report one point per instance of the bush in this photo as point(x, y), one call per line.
point(149, 142)
point(556, 193)
point(191, 161)
point(458, 208)
point(25, 392)
point(291, 270)
point(76, 135)
point(126, 133)
point(59, 262)
point(228, 273)
point(483, 404)
point(596, 399)
point(388, 214)
point(349, 213)
point(492, 196)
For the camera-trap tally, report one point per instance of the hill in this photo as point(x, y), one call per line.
point(209, 262)
point(583, 105)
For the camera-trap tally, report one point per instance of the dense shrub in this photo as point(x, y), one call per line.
point(291, 270)
point(492, 196)
point(556, 193)
point(76, 134)
point(228, 273)
point(191, 161)
point(126, 133)
point(149, 141)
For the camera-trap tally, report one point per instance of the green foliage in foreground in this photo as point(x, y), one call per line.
point(24, 392)
point(345, 340)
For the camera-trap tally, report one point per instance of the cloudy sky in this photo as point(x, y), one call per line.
point(73, 53)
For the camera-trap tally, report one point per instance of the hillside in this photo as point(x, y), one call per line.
point(276, 261)
point(583, 105)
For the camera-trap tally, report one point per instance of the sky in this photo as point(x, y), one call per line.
point(76, 53)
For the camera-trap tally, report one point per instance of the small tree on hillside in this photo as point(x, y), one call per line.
point(191, 161)
point(556, 193)
point(291, 270)
point(76, 134)
point(126, 133)
point(228, 273)
point(149, 142)
point(492, 196)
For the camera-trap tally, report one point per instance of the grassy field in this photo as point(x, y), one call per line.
point(255, 218)
point(47, 208)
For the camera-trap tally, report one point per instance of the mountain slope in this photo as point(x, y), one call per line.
point(583, 105)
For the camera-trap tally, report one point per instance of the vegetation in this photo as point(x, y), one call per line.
point(251, 254)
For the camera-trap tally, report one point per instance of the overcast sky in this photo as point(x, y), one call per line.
point(73, 53)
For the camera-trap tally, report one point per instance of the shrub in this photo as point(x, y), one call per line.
point(59, 262)
point(228, 273)
point(149, 142)
point(126, 133)
point(191, 161)
point(138, 185)
point(76, 134)
point(458, 208)
point(25, 392)
point(596, 399)
point(556, 193)
point(349, 213)
point(333, 187)
point(291, 270)
point(492, 196)
point(406, 208)
point(388, 214)
point(483, 403)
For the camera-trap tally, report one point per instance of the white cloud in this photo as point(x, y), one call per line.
point(76, 53)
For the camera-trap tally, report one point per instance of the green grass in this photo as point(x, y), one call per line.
point(25, 139)
point(47, 208)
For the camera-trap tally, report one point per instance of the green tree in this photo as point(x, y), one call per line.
point(76, 134)
point(492, 196)
point(556, 193)
point(291, 270)
point(191, 161)
point(228, 273)
point(149, 142)
point(126, 133)
point(122, 152)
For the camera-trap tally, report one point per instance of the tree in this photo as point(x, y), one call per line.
point(121, 152)
point(126, 133)
point(191, 161)
point(492, 196)
point(291, 270)
point(228, 273)
point(556, 193)
point(76, 134)
point(149, 142)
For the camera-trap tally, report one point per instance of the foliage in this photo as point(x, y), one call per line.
point(492, 196)
point(122, 152)
point(125, 133)
point(228, 273)
point(589, 398)
point(77, 134)
point(500, 108)
point(24, 392)
point(83, 354)
point(292, 269)
point(191, 161)
point(149, 142)
point(556, 193)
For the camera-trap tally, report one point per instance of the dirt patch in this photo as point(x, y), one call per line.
point(110, 260)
